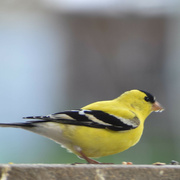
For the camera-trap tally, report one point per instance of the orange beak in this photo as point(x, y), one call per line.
point(157, 107)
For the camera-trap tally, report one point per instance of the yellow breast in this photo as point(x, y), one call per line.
point(96, 142)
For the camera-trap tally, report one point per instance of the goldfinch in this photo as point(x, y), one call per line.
point(99, 129)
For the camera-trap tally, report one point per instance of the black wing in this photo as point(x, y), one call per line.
point(89, 118)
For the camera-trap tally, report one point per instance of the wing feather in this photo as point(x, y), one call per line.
point(90, 118)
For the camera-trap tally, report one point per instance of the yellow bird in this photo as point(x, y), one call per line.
point(99, 129)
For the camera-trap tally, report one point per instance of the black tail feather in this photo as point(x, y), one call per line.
point(36, 117)
point(25, 124)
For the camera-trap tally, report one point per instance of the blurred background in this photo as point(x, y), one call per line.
point(59, 55)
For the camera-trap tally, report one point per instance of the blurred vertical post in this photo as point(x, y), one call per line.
point(172, 75)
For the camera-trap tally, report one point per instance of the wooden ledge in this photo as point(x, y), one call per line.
point(88, 172)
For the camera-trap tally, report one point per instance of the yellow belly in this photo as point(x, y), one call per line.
point(96, 142)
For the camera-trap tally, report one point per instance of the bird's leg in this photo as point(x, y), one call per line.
point(89, 160)
point(82, 155)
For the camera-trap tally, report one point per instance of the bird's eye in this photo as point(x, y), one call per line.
point(146, 98)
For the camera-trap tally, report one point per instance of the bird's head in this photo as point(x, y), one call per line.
point(140, 102)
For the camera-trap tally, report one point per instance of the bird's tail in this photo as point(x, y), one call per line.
point(17, 125)
point(46, 128)
point(36, 117)
point(26, 124)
